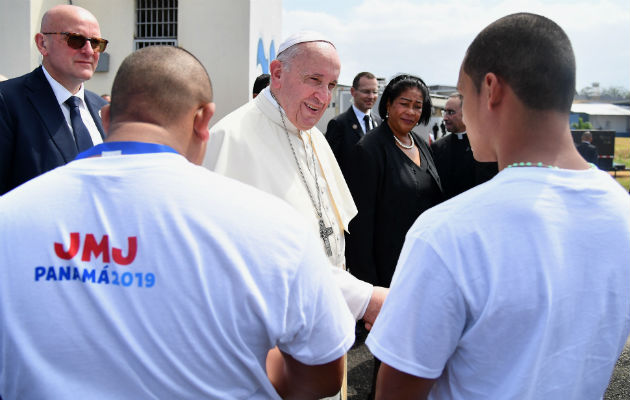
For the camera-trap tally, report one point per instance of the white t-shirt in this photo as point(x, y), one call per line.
point(203, 276)
point(516, 289)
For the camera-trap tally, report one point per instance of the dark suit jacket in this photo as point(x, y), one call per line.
point(343, 132)
point(458, 169)
point(390, 192)
point(589, 152)
point(34, 135)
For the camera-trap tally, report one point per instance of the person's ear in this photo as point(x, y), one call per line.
point(275, 70)
point(494, 89)
point(40, 42)
point(105, 113)
point(202, 121)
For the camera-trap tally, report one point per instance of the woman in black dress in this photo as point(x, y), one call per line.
point(393, 180)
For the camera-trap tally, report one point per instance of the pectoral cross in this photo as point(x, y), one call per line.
point(324, 232)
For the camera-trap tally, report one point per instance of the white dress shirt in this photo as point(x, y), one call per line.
point(62, 94)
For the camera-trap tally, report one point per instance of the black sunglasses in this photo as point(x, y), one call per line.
point(77, 41)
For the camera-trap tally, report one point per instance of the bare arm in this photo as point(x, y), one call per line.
point(374, 307)
point(394, 384)
point(294, 380)
point(356, 293)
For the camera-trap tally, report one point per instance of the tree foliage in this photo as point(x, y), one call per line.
point(581, 124)
point(609, 93)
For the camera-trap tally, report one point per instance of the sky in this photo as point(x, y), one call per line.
point(429, 38)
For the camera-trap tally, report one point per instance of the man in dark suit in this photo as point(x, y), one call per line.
point(345, 130)
point(587, 150)
point(453, 157)
point(47, 116)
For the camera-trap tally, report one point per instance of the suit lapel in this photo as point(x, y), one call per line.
point(94, 112)
point(41, 95)
point(354, 123)
point(376, 121)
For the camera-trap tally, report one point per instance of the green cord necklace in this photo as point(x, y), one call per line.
point(539, 165)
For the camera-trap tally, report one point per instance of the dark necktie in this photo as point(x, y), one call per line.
point(366, 118)
point(81, 134)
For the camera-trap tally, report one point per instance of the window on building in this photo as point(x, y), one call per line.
point(156, 23)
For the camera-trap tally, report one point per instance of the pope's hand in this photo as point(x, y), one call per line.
point(374, 307)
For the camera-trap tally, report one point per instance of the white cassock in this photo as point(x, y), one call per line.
point(250, 144)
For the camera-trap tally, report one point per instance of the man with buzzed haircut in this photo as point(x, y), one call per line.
point(501, 292)
point(47, 116)
point(170, 283)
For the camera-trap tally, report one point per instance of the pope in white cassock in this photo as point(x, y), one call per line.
point(272, 143)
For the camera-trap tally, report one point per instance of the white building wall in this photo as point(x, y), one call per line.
point(117, 21)
point(19, 21)
point(216, 32)
point(265, 29)
point(618, 123)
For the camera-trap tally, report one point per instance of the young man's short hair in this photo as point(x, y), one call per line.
point(532, 54)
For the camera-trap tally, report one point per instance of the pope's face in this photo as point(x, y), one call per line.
point(305, 88)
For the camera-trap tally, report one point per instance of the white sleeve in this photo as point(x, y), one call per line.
point(356, 292)
point(423, 317)
point(320, 328)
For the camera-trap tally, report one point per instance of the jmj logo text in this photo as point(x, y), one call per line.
point(96, 248)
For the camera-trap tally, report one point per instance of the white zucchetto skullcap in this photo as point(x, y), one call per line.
point(303, 37)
